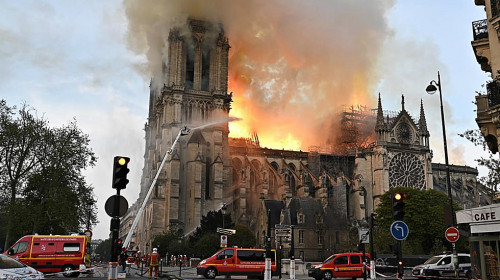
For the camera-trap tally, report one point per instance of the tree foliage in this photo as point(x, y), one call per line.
point(205, 240)
point(424, 215)
point(42, 188)
point(103, 250)
point(492, 180)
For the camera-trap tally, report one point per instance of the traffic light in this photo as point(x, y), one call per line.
point(120, 171)
point(398, 206)
point(119, 245)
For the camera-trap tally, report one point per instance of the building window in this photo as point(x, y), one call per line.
point(301, 236)
point(301, 219)
point(320, 238)
point(301, 255)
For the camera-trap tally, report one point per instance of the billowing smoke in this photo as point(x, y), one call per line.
point(292, 64)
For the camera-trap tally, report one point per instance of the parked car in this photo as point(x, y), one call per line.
point(442, 266)
point(237, 261)
point(340, 265)
point(11, 268)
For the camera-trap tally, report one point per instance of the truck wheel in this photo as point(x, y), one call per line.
point(327, 275)
point(210, 273)
point(66, 271)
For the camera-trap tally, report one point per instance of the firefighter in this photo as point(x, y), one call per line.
point(153, 260)
point(137, 258)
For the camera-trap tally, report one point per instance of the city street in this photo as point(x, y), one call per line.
point(101, 272)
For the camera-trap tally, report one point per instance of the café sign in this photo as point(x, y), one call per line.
point(485, 215)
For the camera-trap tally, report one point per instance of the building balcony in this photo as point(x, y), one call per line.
point(488, 114)
point(481, 44)
point(493, 93)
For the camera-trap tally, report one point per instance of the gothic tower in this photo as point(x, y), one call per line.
point(401, 157)
point(194, 94)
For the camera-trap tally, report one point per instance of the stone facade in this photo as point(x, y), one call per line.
point(323, 195)
point(197, 173)
point(486, 47)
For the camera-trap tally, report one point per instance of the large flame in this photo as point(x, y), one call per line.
point(292, 63)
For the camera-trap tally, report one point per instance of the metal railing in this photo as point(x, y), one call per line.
point(480, 29)
point(493, 91)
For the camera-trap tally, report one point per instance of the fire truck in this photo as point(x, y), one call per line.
point(53, 253)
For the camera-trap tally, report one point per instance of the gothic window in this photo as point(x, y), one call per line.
point(205, 68)
point(189, 66)
point(301, 218)
point(406, 170)
point(404, 133)
point(208, 178)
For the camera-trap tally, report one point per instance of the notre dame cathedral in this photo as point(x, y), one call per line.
point(321, 193)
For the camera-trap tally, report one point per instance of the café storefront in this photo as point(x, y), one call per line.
point(484, 240)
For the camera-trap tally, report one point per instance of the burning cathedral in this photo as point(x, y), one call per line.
point(321, 193)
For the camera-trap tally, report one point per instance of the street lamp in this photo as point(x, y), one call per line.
point(431, 89)
point(223, 210)
point(89, 209)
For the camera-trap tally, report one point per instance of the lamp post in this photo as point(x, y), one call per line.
point(89, 211)
point(223, 210)
point(431, 89)
point(179, 260)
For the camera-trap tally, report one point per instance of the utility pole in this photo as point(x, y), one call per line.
point(372, 251)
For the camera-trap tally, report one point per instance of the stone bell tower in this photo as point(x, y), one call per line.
point(194, 93)
point(401, 157)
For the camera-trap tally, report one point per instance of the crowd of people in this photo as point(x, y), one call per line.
point(152, 261)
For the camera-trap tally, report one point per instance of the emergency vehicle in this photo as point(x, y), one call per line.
point(340, 265)
point(131, 256)
point(53, 253)
point(236, 261)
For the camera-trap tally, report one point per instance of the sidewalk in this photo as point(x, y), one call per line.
point(188, 273)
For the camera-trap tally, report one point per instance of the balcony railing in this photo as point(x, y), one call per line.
point(480, 29)
point(493, 90)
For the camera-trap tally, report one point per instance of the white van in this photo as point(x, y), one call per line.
point(441, 265)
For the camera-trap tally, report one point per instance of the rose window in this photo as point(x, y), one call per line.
point(406, 170)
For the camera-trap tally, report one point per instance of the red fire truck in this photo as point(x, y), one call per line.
point(53, 253)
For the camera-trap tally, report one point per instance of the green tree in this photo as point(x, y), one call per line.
point(103, 250)
point(168, 242)
point(244, 237)
point(492, 163)
point(424, 215)
point(42, 188)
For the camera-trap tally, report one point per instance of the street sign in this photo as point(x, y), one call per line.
point(283, 232)
point(363, 236)
point(88, 233)
point(452, 234)
point(226, 231)
point(399, 230)
point(110, 206)
point(223, 240)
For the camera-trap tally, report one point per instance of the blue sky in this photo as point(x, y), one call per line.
point(70, 59)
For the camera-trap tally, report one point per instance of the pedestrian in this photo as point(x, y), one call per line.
point(154, 259)
point(122, 258)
